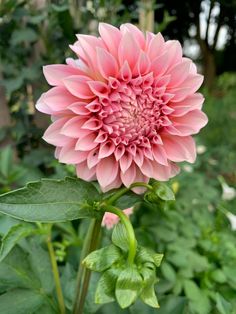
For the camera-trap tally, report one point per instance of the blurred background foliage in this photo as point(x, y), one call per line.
point(197, 233)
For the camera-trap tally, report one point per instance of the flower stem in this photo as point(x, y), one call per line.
point(129, 228)
point(90, 244)
point(123, 191)
point(56, 275)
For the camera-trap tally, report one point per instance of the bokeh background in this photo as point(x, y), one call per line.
point(197, 232)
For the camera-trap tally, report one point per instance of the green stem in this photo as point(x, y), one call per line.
point(56, 275)
point(90, 244)
point(129, 228)
point(123, 191)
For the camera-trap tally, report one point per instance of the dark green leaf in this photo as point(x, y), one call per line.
point(102, 259)
point(172, 305)
point(51, 200)
point(16, 233)
point(168, 272)
point(20, 301)
point(23, 35)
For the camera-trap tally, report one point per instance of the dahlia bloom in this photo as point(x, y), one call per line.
point(110, 220)
point(124, 110)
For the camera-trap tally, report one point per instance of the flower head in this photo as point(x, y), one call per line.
point(125, 109)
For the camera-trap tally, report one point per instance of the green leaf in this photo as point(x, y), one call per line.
point(20, 301)
point(15, 271)
point(120, 237)
point(168, 272)
point(218, 276)
point(51, 200)
point(223, 306)
point(128, 286)
point(172, 305)
point(199, 301)
point(5, 161)
point(16, 233)
point(164, 192)
point(158, 258)
point(148, 296)
point(40, 264)
point(105, 291)
point(102, 259)
point(23, 35)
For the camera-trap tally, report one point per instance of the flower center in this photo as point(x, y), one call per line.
point(134, 111)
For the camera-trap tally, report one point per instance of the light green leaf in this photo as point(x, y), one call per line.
point(148, 296)
point(20, 301)
point(218, 276)
point(128, 286)
point(16, 233)
point(120, 237)
point(105, 291)
point(51, 200)
point(158, 258)
point(164, 192)
point(148, 274)
point(223, 306)
point(102, 259)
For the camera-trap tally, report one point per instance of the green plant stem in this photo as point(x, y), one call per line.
point(129, 228)
point(90, 244)
point(56, 274)
point(123, 191)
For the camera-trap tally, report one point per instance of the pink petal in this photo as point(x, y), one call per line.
point(87, 142)
point(125, 161)
point(179, 148)
point(128, 50)
point(111, 36)
point(178, 73)
point(55, 73)
point(147, 168)
point(107, 170)
point(160, 172)
point(52, 134)
point(106, 149)
point(156, 46)
point(72, 127)
point(129, 175)
point(58, 99)
point(190, 123)
point(138, 35)
point(77, 85)
point(107, 64)
point(84, 172)
point(69, 155)
point(92, 158)
point(99, 89)
point(79, 108)
point(159, 154)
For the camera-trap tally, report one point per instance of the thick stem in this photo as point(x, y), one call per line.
point(90, 244)
point(123, 191)
point(56, 275)
point(129, 228)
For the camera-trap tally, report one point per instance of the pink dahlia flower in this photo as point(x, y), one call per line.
point(110, 220)
point(124, 110)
